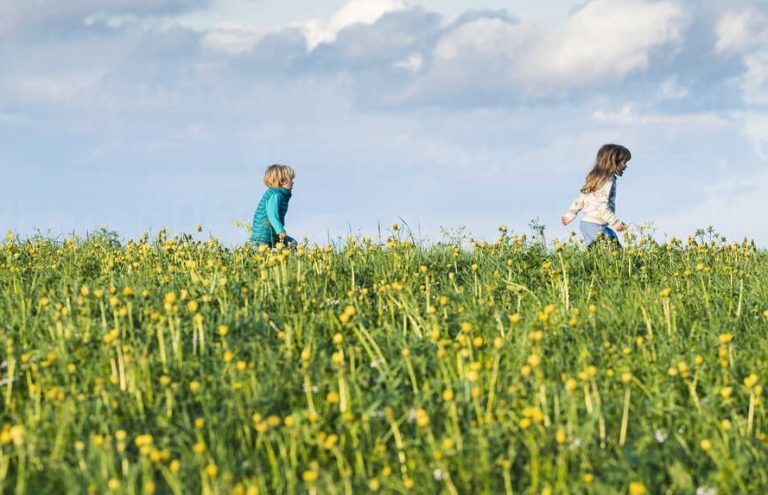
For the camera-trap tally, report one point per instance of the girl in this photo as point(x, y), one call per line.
point(269, 218)
point(597, 201)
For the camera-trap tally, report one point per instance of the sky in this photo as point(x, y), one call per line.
point(450, 117)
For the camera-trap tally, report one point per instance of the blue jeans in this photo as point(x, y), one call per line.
point(591, 232)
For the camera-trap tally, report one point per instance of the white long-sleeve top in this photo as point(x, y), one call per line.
point(598, 206)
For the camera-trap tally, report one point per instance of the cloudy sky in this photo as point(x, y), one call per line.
point(444, 114)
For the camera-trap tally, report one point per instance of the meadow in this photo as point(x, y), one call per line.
point(174, 364)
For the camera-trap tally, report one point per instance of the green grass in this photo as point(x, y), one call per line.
point(175, 365)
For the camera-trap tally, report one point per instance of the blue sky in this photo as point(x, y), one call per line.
point(137, 114)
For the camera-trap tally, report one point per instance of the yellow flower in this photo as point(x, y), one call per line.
point(422, 418)
point(637, 488)
point(560, 437)
point(534, 360)
point(211, 470)
point(750, 381)
point(533, 413)
point(330, 441)
point(332, 397)
point(672, 371)
point(374, 485)
point(143, 440)
point(170, 298)
point(337, 358)
point(705, 445)
point(725, 338)
point(194, 386)
point(309, 476)
point(16, 434)
point(274, 421)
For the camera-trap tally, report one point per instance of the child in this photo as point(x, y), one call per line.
point(597, 201)
point(269, 218)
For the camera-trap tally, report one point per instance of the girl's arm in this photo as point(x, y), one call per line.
point(573, 210)
point(273, 215)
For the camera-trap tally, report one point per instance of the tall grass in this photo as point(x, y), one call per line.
point(175, 365)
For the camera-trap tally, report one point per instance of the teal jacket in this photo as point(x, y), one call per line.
point(269, 218)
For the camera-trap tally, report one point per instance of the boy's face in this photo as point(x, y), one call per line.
point(288, 184)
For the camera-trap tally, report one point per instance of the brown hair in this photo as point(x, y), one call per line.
point(278, 174)
point(609, 158)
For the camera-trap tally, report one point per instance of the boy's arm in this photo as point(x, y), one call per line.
point(273, 215)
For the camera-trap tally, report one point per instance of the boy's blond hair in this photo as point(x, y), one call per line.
point(278, 174)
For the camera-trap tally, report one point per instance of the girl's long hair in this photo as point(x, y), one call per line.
point(609, 159)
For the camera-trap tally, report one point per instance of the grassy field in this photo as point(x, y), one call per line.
point(176, 365)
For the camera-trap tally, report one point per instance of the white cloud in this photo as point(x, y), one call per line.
point(738, 31)
point(41, 16)
point(231, 38)
point(754, 82)
point(629, 116)
point(488, 38)
point(55, 88)
point(732, 204)
point(671, 89)
point(354, 12)
point(603, 41)
point(756, 130)
point(413, 63)
point(606, 39)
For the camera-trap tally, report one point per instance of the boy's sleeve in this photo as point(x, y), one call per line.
point(604, 195)
point(273, 215)
point(575, 208)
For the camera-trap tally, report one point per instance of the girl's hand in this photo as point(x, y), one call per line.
point(282, 235)
point(565, 220)
point(621, 227)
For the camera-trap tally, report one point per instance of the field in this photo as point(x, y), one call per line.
point(177, 365)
